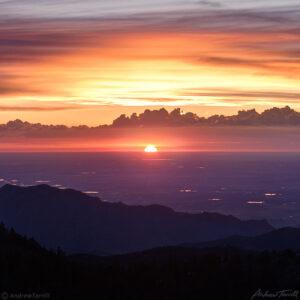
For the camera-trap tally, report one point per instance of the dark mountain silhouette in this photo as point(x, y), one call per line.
point(11, 241)
point(29, 270)
point(83, 224)
point(155, 255)
point(279, 239)
point(276, 240)
point(285, 116)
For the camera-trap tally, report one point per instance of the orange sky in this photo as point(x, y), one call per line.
point(90, 70)
point(240, 139)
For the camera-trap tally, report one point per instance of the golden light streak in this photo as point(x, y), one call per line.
point(151, 69)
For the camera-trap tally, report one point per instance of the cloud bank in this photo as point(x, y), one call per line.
point(280, 117)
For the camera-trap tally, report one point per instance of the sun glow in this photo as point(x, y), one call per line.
point(150, 148)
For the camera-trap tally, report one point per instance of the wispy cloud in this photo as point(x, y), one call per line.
point(110, 56)
point(41, 108)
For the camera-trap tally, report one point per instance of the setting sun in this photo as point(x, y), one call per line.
point(150, 148)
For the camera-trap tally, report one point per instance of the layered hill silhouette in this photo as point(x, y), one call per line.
point(160, 273)
point(279, 239)
point(83, 224)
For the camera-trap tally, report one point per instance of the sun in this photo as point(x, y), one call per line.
point(150, 148)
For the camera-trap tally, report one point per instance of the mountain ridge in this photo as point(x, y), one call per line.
point(159, 273)
point(81, 223)
point(278, 239)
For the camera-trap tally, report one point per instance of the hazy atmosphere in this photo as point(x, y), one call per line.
point(150, 150)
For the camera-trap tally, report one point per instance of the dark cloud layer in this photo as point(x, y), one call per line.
point(31, 41)
point(46, 37)
point(239, 94)
point(282, 117)
point(270, 117)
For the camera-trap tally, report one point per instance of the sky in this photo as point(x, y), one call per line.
point(86, 62)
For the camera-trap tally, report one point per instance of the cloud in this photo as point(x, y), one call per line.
point(153, 118)
point(55, 55)
point(9, 87)
point(270, 117)
point(37, 39)
point(238, 94)
point(211, 3)
point(36, 108)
